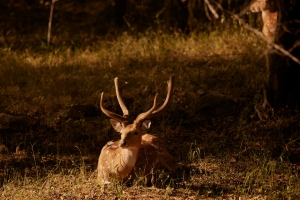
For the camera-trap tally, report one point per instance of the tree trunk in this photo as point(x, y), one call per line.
point(283, 83)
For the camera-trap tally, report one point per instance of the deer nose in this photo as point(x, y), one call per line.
point(122, 144)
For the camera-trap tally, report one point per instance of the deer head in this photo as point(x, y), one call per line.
point(131, 132)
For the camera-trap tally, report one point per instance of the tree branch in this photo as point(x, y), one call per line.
point(258, 33)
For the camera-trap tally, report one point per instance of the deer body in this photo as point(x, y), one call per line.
point(270, 23)
point(269, 16)
point(152, 156)
point(121, 163)
point(117, 162)
point(136, 152)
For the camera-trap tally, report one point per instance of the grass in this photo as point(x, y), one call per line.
point(227, 156)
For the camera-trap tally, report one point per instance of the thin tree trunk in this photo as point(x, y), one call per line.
point(50, 22)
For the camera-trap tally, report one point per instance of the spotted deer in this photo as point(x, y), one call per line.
point(136, 151)
point(269, 16)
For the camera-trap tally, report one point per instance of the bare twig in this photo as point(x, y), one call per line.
point(207, 13)
point(259, 115)
point(296, 45)
point(244, 10)
point(34, 159)
point(265, 103)
point(211, 8)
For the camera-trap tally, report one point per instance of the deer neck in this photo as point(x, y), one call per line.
point(128, 159)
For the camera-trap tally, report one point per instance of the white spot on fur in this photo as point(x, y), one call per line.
point(106, 182)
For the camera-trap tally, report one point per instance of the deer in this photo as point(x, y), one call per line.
point(269, 16)
point(137, 152)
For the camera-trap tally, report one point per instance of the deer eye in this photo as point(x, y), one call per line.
point(135, 133)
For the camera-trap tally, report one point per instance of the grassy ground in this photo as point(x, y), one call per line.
point(228, 155)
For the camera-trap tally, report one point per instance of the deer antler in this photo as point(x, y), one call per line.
point(149, 114)
point(162, 108)
point(145, 115)
point(120, 100)
point(110, 114)
point(121, 103)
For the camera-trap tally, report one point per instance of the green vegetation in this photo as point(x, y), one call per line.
point(228, 154)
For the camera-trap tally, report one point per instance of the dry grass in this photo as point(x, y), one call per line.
point(227, 156)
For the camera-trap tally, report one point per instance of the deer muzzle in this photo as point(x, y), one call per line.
point(122, 144)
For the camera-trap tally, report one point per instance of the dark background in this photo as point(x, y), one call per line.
point(82, 21)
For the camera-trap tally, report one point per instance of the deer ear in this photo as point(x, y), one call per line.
point(116, 125)
point(146, 125)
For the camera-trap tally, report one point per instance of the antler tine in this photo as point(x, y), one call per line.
point(120, 100)
point(110, 114)
point(145, 115)
point(162, 108)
